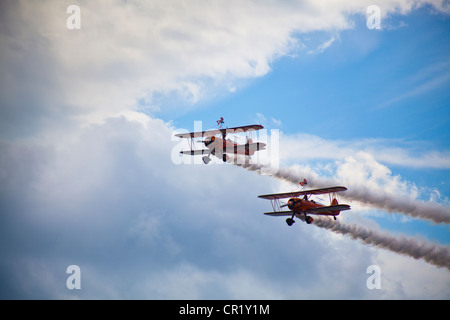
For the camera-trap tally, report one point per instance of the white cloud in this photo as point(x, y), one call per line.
point(415, 154)
point(96, 189)
point(321, 48)
point(368, 181)
point(107, 197)
point(403, 279)
point(426, 81)
point(262, 119)
point(127, 51)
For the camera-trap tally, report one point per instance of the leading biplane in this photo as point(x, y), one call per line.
point(218, 145)
point(305, 206)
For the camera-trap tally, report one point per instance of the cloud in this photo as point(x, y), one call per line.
point(108, 198)
point(87, 179)
point(133, 51)
point(426, 81)
point(261, 119)
point(363, 167)
point(321, 48)
point(414, 154)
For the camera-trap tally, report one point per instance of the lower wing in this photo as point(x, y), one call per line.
point(319, 211)
point(196, 152)
point(279, 213)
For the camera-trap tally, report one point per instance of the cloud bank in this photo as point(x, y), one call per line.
point(83, 185)
point(127, 54)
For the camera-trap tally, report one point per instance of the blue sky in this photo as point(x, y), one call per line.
point(389, 84)
point(87, 173)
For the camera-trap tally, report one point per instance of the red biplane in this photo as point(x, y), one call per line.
point(217, 145)
point(305, 206)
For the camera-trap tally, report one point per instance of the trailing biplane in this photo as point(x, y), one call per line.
point(218, 145)
point(305, 206)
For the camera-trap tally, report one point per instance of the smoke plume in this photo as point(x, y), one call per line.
point(375, 198)
point(435, 254)
point(432, 253)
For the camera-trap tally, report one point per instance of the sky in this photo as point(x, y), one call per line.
point(90, 172)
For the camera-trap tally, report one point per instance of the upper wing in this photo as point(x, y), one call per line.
point(199, 134)
point(280, 195)
point(252, 127)
point(302, 193)
point(196, 152)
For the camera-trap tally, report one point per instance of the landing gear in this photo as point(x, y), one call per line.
point(290, 221)
point(308, 219)
point(206, 159)
point(334, 217)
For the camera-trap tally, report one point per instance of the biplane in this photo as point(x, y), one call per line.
point(305, 206)
point(218, 145)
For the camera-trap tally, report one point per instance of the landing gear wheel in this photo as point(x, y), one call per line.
point(290, 221)
point(206, 159)
point(309, 219)
point(334, 217)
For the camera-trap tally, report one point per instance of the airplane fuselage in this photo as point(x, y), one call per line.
point(300, 206)
point(219, 146)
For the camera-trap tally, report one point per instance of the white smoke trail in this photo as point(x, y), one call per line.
point(435, 254)
point(432, 253)
point(375, 198)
